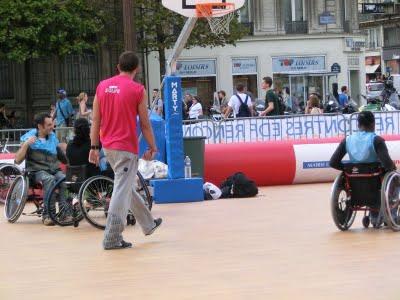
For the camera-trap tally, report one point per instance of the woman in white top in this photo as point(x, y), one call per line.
point(196, 109)
point(84, 112)
point(313, 105)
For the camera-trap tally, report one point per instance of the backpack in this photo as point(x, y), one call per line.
point(244, 110)
point(238, 186)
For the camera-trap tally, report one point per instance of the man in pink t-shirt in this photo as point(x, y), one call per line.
point(118, 102)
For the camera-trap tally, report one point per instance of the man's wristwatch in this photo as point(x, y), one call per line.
point(92, 147)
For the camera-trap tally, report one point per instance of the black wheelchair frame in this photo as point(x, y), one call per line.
point(365, 187)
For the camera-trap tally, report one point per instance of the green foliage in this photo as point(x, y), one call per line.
point(160, 29)
point(35, 28)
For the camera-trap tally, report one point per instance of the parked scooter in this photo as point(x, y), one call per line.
point(376, 104)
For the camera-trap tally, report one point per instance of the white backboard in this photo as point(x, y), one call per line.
point(187, 8)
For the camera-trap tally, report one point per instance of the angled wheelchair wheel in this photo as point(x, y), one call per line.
point(94, 198)
point(390, 200)
point(343, 215)
point(8, 173)
point(16, 198)
point(143, 189)
point(61, 205)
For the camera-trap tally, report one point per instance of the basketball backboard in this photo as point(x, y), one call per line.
point(187, 8)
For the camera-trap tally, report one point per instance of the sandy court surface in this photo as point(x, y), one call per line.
point(280, 245)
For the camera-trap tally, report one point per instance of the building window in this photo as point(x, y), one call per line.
point(80, 73)
point(392, 36)
point(294, 10)
point(373, 40)
point(6, 79)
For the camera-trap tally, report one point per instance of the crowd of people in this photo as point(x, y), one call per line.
point(276, 102)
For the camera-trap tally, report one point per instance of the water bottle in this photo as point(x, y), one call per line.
point(188, 167)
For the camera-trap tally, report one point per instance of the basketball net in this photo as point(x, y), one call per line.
point(218, 15)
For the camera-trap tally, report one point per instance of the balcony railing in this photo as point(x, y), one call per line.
point(296, 27)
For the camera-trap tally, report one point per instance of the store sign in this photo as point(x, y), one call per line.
point(335, 68)
point(298, 64)
point(244, 66)
point(327, 18)
point(195, 68)
point(373, 8)
point(354, 44)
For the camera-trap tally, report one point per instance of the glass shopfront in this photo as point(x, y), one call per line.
point(198, 79)
point(303, 76)
point(244, 71)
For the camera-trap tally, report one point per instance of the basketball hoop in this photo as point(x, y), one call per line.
point(218, 15)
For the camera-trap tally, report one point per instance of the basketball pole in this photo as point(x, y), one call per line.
point(180, 45)
point(176, 188)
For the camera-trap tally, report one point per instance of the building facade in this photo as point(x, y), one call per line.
point(305, 45)
point(379, 21)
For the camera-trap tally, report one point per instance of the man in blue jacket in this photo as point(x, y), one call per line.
point(364, 146)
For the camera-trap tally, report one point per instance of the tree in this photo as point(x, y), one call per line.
point(159, 29)
point(37, 28)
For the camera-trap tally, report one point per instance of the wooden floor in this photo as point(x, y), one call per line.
point(280, 245)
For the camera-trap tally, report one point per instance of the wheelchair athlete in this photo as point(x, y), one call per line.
point(364, 147)
point(42, 153)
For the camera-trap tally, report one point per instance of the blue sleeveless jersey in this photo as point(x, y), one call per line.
point(360, 147)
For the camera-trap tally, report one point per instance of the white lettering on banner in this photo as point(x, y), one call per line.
point(265, 129)
point(174, 86)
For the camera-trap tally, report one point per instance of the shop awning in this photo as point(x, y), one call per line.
point(370, 69)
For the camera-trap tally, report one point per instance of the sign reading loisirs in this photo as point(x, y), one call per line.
point(298, 64)
point(195, 68)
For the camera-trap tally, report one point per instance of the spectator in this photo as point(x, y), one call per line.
point(52, 111)
point(335, 93)
point(64, 113)
point(158, 103)
point(271, 99)
point(187, 103)
point(195, 110)
point(12, 119)
point(236, 101)
point(288, 100)
point(223, 101)
point(343, 97)
point(4, 122)
point(84, 112)
point(313, 105)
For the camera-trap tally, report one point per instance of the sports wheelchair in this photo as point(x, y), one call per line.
point(366, 188)
point(80, 198)
point(8, 173)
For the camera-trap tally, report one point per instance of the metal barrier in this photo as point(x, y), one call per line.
point(268, 128)
point(290, 127)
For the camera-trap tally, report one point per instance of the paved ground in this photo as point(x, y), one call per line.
point(280, 245)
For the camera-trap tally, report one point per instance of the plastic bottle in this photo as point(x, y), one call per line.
point(188, 167)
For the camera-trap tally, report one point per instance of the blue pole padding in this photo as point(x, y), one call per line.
point(173, 131)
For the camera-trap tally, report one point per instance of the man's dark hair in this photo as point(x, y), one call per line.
point(366, 119)
point(156, 90)
point(40, 118)
point(268, 80)
point(344, 88)
point(240, 87)
point(128, 61)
